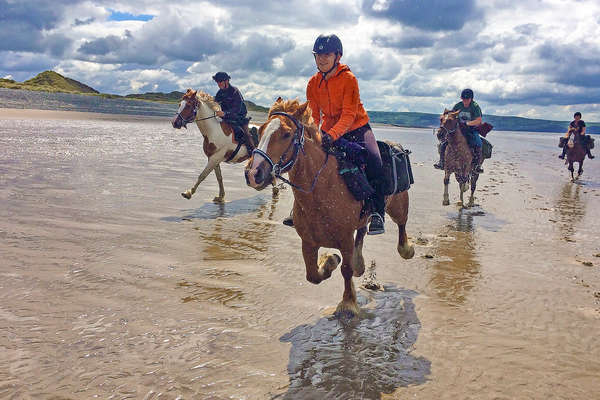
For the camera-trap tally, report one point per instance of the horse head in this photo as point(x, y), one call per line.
point(448, 123)
point(281, 138)
point(188, 108)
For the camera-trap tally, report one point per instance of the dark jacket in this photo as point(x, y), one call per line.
point(232, 104)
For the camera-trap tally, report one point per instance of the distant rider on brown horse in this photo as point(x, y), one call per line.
point(577, 127)
point(334, 100)
point(233, 109)
point(470, 115)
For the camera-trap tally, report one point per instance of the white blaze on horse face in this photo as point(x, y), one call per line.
point(181, 106)
point(264, 141)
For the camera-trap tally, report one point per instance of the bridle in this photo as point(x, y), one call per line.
point(448, 131)
point(192, 117)
point(297, 144)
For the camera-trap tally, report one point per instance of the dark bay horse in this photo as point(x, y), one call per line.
point(325, 213)
point(575, 153)
point(458, 158)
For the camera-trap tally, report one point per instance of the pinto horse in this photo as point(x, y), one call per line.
point(575, 153)
point(458, 158)
point(219, 141)
point(325, 213)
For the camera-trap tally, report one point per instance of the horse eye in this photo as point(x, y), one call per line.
point(287, 135)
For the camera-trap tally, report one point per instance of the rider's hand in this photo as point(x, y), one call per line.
point(220, 114)
point(326, 139)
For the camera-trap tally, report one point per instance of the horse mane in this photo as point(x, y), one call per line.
point(203, 97)
point(292, 107)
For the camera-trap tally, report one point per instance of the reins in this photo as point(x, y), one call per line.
point(298, 143)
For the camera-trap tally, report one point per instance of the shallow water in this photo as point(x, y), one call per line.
point(114, 286)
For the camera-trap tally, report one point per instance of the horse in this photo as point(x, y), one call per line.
point(458, 158)
point(575, 153)
point(219, 144)
point(325, 213)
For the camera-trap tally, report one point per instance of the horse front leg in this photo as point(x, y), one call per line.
point(572, 170)
point(580, 170)
point(474, 179)
point(446, 201)
point(358, 262)
point(221, 197)
point(316, 272)
point(213, 162)
point(348, 306)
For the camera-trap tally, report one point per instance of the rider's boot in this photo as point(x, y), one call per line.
point(376, 226)
point(564, 152)
point(478, 159)
point(288, 221)
point(589, 153)
point(442, 150)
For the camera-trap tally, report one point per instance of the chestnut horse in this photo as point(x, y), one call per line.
point(219, 142)
point(457, 158)
point(575, 153)
point(325, 213)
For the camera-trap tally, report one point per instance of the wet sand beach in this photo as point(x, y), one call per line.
point(114, 286)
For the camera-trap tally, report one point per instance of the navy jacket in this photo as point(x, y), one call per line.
point(232, 104)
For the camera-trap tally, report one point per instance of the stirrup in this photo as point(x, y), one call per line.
point(376, 226)
point(438, 166)
point(288, 221)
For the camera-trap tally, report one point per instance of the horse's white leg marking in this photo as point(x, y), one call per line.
point(212, 163)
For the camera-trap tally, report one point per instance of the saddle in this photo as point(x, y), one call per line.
point(241, 134)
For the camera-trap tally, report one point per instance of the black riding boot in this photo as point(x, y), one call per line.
point(589, 153)
point(442, 150)
point(288, 221)
point(564, 152)
point(376, 226)
point(478, 159)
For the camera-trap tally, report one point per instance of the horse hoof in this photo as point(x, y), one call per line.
point(327, 264)
point(187, 195)
point(219, 200)
point(347, 309)
point(407, 251)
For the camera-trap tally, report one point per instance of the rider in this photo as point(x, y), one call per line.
point(233, 108)
point(576, 126)
point(470, 114)
point(333, 93)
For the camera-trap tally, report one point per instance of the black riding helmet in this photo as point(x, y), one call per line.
point(466, 94)
point(328, 44)
point(221, 76)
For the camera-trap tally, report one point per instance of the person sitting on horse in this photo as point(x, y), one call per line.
point(333, 93)
point(233, 109)
point(577, 127)
point(470, 115)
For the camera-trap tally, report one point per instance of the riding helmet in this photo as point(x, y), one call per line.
point(466, 94)
point(221, 76)
point(328, 44)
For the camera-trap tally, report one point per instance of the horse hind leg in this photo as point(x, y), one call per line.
point(474, 179)
point(397, 208)
point(358, 262)
point(580, 170)
point(221, 197)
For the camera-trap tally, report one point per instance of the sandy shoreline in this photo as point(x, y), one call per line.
point(28, 113)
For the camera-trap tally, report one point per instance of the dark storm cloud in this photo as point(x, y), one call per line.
point(428, 15)
point(103, 46)
point(23, 25)
point(575, 65)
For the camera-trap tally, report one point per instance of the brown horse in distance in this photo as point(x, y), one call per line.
point(325, 213)
point(575, 153)
point(458, 158)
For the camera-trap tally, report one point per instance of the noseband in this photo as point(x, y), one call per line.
point(282, 167)
point(191, 118)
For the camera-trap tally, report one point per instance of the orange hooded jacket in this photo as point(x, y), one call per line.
point(337, 98)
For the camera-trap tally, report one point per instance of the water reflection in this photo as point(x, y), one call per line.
point(229, 209)
point(237, 238)
point(571, 209)
point(454, 274)
point(361, 359)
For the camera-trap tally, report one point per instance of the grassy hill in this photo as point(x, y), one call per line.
point(49, 81)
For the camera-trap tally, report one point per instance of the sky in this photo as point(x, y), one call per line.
point(529, 58)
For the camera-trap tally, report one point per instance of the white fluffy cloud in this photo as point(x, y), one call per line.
point(534, 58)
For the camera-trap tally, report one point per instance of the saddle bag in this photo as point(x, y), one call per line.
point(486, 148)
point(590, 142)
point(355, 179)
point(397, 171)
point(562, 142)
point(484, 129)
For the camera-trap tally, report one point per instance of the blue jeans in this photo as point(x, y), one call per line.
point(473, 137)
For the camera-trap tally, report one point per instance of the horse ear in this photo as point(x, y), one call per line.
point(279, 100)
point(301, 110)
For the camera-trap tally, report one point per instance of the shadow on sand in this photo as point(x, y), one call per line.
point(361, 358)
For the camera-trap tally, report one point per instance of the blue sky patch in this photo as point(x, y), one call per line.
point(124, 16)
